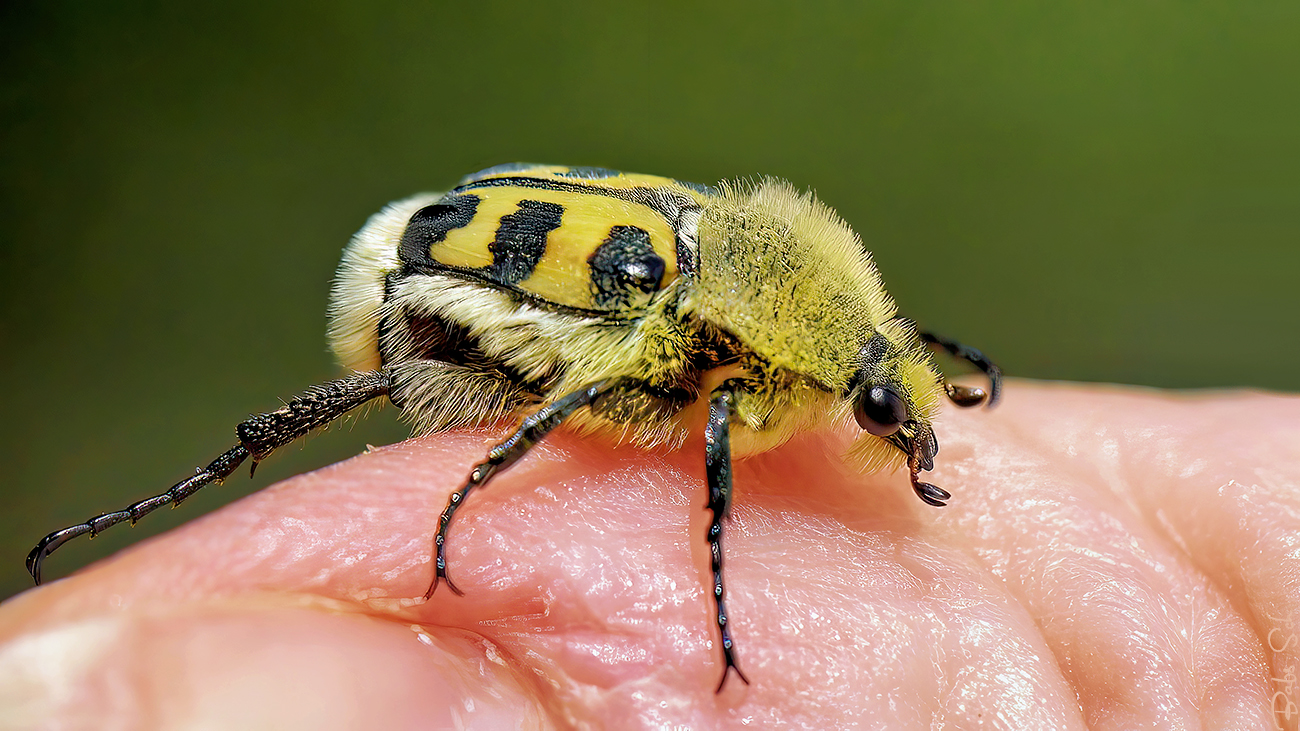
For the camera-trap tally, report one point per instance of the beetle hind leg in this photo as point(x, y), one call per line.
point(259, 436)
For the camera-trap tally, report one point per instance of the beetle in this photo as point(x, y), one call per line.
point(636, 307)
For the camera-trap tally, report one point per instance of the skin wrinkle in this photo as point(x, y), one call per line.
point(1161, 526)
point(1121, 592)
point(986, 524)
point(1268, 539)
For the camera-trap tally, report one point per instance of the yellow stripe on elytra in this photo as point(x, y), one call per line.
point(562, 275)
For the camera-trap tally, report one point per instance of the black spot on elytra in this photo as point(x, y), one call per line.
point(430, 225)
point(521, 241)
point(624, 266)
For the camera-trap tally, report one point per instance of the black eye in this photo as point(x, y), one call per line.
point(880, 411)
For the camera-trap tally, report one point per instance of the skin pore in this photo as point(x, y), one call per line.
point(1111, 559)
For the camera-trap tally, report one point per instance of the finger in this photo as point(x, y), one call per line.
point(255, 662)
point(1144, 634)
point(583, 568)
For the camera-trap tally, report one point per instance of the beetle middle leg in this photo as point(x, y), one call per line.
point(532, 430)
point(717, 468)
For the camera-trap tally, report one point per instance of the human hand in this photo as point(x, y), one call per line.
point(1111, 559)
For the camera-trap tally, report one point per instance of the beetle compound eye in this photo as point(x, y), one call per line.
point(880, 411)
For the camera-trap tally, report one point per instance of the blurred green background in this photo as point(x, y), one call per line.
point(1103, 191)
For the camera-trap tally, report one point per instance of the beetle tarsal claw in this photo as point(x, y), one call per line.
point(931, 494)
point(965, 396)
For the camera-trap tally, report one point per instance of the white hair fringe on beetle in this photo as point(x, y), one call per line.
point(636, 307)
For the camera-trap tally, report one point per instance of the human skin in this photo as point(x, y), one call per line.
point(1111, 559)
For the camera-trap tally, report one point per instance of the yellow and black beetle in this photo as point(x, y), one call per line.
point(639, 307)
